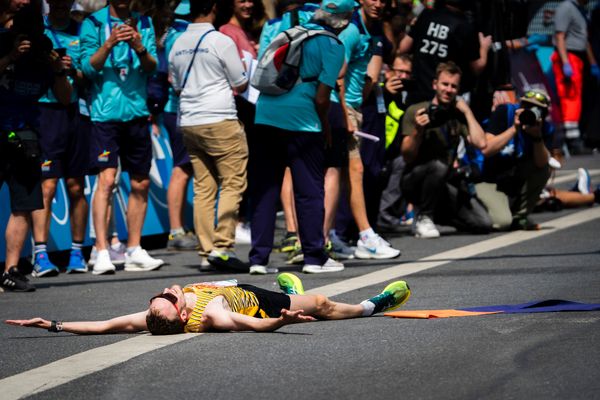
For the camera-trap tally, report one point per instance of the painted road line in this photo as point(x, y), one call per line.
point(436, 260)
point(67, 369)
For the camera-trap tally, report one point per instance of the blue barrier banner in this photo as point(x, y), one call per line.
point(157, 217)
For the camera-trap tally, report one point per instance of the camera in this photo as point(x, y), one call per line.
point(438, 114)
point(408, 84)
point(530, 116)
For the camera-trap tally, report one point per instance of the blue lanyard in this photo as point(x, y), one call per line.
point(112, 56)
point(189, 68)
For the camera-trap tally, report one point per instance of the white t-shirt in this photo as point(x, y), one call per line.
point(207, 97)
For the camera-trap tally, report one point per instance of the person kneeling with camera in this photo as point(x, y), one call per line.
point(433, 132)
point(516, 165)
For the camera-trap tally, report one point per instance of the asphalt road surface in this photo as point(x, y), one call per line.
point(511, 356)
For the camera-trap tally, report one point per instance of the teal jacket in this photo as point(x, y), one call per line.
point(118, 91)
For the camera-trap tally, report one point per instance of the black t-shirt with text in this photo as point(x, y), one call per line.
point(441, 35)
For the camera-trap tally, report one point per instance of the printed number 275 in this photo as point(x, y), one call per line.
point(434, 48)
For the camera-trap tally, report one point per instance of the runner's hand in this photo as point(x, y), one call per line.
point(295, 317)
point(31, 323)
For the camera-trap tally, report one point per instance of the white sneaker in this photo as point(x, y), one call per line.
point(375, 247)
point(262, 270)
point(140, 260)
point(242, 233)
point(102, 264)
point(330, 266)
point(584, 184)
point(425, 228)
point(117, 257)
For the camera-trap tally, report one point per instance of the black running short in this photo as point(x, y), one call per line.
point(270, 302)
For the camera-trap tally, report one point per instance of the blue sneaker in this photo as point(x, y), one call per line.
point(42, 266)
point(76, 263)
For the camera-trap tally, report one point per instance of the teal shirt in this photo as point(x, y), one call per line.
point(67, 38)
point(357, 44)
point(322, 57)
point(178, 27)
point(118, 91)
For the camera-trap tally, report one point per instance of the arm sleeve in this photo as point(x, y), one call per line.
point(149, 42)
point(230, 59)
point(470, 43)
point(498, 120)
point(333, 59)
point(89, 44)
point(269, 31)
point(562, 17)
point(408, 122)
point(173, 75)
point(350, 38)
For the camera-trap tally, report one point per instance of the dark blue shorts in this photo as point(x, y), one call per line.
point(336, 156)
point(65, 146)
point(22, 176)
point(130, 141)
point(181, 158)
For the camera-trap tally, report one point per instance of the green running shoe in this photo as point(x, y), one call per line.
point(287, 244)
point(393, 296)
point(290, 283)
point(296, 256)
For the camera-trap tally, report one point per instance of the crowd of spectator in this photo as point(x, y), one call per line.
point(383, 125)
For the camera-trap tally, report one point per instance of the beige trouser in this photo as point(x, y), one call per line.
point(219, 155)
point(354, 142)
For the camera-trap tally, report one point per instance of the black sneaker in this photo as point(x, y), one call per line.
point(227, 260)
point(524, 224)
point(15, 281)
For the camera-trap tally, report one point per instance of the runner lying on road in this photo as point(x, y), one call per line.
point(226, 306)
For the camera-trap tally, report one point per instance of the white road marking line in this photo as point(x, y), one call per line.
point(68, 369)
point(400, 270)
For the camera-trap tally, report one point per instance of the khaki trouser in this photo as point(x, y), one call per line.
point(528, 182)
point(354, 142)
point(219, 156)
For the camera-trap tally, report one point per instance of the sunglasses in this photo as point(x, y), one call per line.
point(537, 96)
point(172, 299)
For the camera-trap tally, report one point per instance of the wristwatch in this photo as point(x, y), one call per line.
point(142, 53)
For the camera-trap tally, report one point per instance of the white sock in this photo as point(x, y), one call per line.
point(115, 246)
point(177, 231)
point(130, 250)
point(368, 308)
point(367, 233)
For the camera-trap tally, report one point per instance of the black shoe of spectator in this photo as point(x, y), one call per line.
point(15, 281)
point(524, 224)
point(227, 261)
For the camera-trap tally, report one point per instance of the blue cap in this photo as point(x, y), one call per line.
point(183, 8)
point(339, 6)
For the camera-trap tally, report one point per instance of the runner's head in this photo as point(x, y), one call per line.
point(167, 313)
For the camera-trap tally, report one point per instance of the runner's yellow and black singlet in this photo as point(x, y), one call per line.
point(243, 299)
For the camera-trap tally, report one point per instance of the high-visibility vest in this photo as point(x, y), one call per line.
point(392, 123)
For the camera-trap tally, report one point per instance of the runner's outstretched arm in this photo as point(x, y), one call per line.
point(124, 324)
